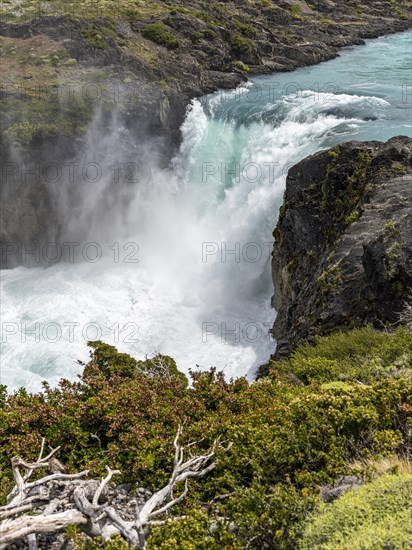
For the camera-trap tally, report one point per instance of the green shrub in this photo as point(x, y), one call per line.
point(242, 45)
point(204, 16)
point(199, 35)
point(196, 531)
point(111, 363)
point(296, 11)
point(196, 36)
point(333, 154)
point(287, 439)
point(209, 33)
point(247, 30)
point(158, 33)
point(353, 217)
point(363, 355)
point(242, 66)
point(375, 516)
point(94, 38)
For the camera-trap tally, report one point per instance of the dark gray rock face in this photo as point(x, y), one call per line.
point(343, 251)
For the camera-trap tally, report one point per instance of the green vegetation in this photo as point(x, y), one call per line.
point(94, 38)
point(242, 66)
point(329, 278)
point(402, 14)
point(390, 225)
point(247, 30)
point(375, 516)
point(360, 356)
point(340, 193)
point(176, 9)
point(196, 36)
point(102, 35)
point(35, 120)
point(158, 33)
point(204, 16)
point(399, 168)
point(295, 11)
point(199, 35)
point(112, 363)
point(82, 9)
point(333, 154)
point(343, 402)
point(325, 21)
point(242, 46)
point(391, 229)
point(353, 217)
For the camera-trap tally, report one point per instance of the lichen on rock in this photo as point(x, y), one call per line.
point(343, 251)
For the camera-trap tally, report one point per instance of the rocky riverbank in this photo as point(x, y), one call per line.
point(162, 54)
point(343, 243)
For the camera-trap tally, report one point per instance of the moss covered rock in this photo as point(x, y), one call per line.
point(334, 269)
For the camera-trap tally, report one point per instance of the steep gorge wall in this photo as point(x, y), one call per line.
point(343, 242)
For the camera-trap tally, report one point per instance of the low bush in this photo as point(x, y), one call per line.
point(288, 438)
point(242, 66)
point(363, 355)
point(242, 45)
point(373, 517)
point(158, 33)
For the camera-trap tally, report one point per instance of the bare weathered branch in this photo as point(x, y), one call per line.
point(23, 526)
point(104, 482)
point(58, 500)
point(32, 541)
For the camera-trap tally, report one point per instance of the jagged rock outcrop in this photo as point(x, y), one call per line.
point(343, 243)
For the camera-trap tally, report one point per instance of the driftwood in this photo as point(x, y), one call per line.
point(52, 503)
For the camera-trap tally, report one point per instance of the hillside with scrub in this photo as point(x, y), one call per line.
point(319, 453)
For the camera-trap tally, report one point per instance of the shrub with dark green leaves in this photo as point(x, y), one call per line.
point(242, 46)
point(364, 355)
point(288, 438)
point(111, 362)
point(158, 33)
point(195, 531)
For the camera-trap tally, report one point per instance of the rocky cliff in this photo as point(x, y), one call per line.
point(343, 242)
point(160, 54)
point(145, 60)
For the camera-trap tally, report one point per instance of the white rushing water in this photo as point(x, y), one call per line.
point(180, 263)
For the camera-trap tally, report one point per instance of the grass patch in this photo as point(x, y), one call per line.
point(360, 355)
point(375, 516)
point(296, 11)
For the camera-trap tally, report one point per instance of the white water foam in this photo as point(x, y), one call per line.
point(202, 309)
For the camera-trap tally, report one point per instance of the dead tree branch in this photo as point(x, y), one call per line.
point(57, 500)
